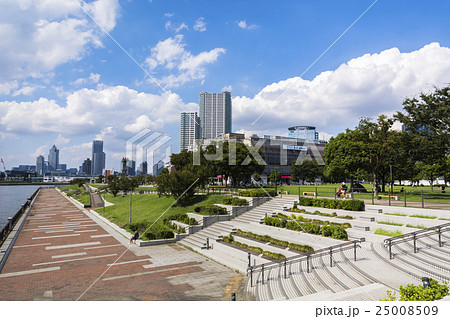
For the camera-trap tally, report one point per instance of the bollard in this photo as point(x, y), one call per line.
point(404, 196)
point(233, 296)
point(421, 192)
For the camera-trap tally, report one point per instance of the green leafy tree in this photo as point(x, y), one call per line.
point(163, 183)
point(377, 144)
point(306, 171)
point(257, 177)
point(343, 158)
point(78, 181)
point(113, 184)
point(275, 177)
point(99, 179)
point(176, 183)
point(427, 123)
point(236, 160)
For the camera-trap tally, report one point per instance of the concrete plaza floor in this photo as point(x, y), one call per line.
point(62, 253)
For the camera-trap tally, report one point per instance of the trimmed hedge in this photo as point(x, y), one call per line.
point(334, 231)
point(304, 211)
point(184, 218)
point(210, 210)
point(176, 228)
point(230, 239)
point(351, 204)
point(257, 193)
point(266, 238)
point(235, 201)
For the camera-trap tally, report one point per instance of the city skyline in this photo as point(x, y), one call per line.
point(324, 64)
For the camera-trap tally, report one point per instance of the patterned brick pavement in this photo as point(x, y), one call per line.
point(61, 252)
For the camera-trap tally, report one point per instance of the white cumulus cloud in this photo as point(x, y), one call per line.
point(200, 25)
point(243, 25)
point(49, 33)
point(171, 55)
point(334, 100)
point(89, 112)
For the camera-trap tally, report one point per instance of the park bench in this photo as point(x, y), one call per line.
point(370, 219)
point(387, 196)
point(378, 210)
point(361, 239)
point(365, 228)
point(312, 193)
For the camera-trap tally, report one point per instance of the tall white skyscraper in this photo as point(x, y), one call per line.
point(98, 158)
point(53, 159)
point(189, 130)
point(215, 114)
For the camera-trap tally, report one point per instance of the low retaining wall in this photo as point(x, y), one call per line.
point(155, 242)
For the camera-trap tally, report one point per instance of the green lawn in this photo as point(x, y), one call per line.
point(77, 193)
point(146, 208)
point(412, 194)
point(390, 233)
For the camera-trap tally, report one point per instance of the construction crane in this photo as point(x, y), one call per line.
point(4, 168)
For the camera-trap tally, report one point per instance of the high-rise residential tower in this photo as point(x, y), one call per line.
point(189, 130)
point(98, 158)
point(40, 165)
point(53, 159)
point(215, 114)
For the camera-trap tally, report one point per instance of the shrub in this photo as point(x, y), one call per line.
point(163, 234)
point(339, 233)
point(434, 291)
point(326, 231)
point(210, 210)
point(235, 201)
point(352, 204)
point(183, 218)
point(256, 193)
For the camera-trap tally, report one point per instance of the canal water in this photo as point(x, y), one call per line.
point(11, 198)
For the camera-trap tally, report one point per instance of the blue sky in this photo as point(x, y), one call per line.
point(63, 81)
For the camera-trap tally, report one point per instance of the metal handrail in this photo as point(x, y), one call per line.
point(416, 235)
point(30, 203)
point(11, 222)
point(306, 256)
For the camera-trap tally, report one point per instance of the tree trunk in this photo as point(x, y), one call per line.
point(431, 184)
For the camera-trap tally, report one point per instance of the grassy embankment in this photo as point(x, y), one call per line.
point(147, 208)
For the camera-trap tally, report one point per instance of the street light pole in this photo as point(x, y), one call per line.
point(392, 186)
point(131, 201)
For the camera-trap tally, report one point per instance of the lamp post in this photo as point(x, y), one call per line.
point(131, 202)
point(426, 282)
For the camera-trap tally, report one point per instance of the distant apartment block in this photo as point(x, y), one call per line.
point(53, 159)
point(215, 114)
point(98, 158)
point(189, 130)
point(40, 165)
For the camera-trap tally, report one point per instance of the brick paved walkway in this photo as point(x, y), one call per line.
point(61, 252)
